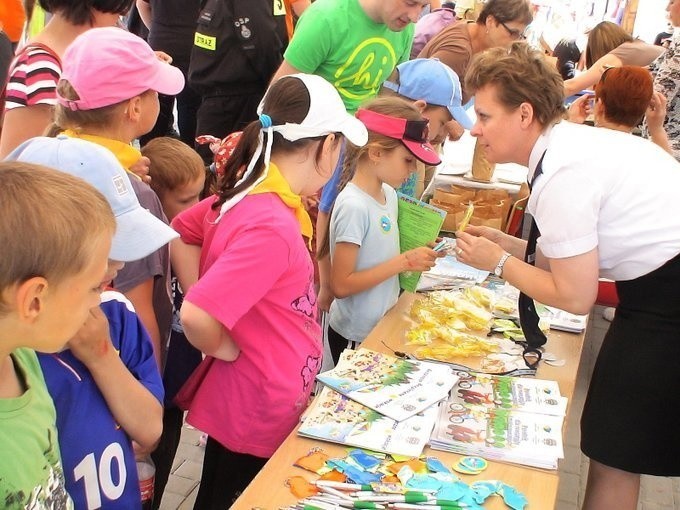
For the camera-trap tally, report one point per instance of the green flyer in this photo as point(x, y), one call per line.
point(419, 224)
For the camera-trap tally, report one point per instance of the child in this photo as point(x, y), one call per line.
point(53, 261)
point(108, 95)
point(30, 95)
point(178, 177)
point(252, 311)
point(106, 386)
point(434, 89)
point(364, 237)
point(177, 174)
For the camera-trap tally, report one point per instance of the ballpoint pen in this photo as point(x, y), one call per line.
point(409, 506)
point(367, 505)
point(408, 497)
point(441, 245)
point(342, 485)
point(335, 492)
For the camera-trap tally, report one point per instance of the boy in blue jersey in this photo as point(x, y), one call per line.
point(55, 235)
point(106, 386)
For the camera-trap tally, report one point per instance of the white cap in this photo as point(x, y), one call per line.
point(327, 114)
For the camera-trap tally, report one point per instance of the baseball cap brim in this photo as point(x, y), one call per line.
point(138, 234)
point(354, 130)
point(167, 80)
point(460, 115)
point(423, 151)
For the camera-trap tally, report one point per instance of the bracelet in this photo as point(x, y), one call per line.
point(498, 271)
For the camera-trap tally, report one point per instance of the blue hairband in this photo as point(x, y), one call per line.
point(265, 120)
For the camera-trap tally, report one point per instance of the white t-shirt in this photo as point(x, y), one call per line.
point(606, 189)
point(359, 219)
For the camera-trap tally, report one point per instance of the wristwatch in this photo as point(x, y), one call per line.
point(498, 271)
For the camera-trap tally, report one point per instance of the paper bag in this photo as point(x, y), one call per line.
point(482, 169)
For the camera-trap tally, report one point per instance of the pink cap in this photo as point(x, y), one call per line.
point(109, 65)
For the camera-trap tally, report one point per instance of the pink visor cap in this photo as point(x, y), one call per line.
point(412, 133)
point(109, 65)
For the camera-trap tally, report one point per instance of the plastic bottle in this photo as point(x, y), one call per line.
point(146, 471)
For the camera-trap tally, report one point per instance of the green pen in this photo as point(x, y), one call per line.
point(408, 497)
point(406, 506)
point(367, 505)
point(342, 485)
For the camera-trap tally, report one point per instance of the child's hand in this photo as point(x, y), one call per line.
point(163, 57)
point(420, 259)
point(454, 129)
point(141, 169)
point(93, 341)
point(325, 298)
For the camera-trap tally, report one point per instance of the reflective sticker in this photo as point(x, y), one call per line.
point(279, 8)
point(207, 42)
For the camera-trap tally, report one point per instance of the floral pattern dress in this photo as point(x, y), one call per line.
point(666, 71)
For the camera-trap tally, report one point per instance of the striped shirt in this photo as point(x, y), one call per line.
point(33, 78)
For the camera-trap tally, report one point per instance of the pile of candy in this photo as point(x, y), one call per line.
point(452, 323)
point(375, 481)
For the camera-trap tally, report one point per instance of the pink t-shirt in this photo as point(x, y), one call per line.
point(256, 278)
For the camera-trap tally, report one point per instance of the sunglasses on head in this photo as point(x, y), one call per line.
point(417, 130)
point(395, 127)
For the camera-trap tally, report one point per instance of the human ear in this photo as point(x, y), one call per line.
point(526, 111)
point(420, 104)
point(29, 298)
point(374, 154)
point(134, 108)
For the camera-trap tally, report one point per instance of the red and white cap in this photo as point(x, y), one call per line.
point(412, 133)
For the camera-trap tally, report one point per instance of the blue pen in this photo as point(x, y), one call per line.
point(440, 245)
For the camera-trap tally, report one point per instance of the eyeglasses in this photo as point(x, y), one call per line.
point(515, 34)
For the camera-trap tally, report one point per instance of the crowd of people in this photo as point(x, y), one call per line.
point(146, 274)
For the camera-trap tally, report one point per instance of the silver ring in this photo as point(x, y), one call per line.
point(459, 251)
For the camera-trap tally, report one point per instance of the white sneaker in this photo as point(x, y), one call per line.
point(608, 313)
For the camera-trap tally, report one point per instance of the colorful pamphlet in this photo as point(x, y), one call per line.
point(514, 393)
point(335, 418)
point(419, 224)
point(395, 387)
point(503, 418)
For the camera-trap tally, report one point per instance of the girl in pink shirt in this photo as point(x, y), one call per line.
point(252, 308)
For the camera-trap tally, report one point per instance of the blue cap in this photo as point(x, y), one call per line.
point(138, 232)
point(433, 82)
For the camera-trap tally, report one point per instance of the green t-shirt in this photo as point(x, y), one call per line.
point(336, 40)
point(31, 475)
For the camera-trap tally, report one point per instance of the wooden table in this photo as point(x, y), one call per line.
point(267, 491)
